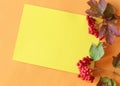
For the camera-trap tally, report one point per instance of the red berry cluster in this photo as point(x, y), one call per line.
point(85, 70)
point(92, 29)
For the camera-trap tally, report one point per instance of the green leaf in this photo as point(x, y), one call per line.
point(96, 51)
point(105, 81)
point(116, 61)
point(113, 82)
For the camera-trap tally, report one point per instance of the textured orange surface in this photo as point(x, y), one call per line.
point(14, 73)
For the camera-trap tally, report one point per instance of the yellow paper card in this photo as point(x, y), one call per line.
point(52, 38)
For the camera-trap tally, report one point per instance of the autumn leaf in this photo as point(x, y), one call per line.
point(102, 6)
point(116, 61)
point(113, 28)
point(109, 12)
point(102, 31)
point(105, 81)
point(96, 8)
point(108, 32)
point(109, 37)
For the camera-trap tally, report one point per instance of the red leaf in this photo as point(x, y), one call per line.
point(102, 31)
point(114, 29)
point(96, 9)
point(102, 5)
point(108, 32)
point(109, 37)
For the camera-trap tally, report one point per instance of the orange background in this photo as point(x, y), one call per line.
point(14, 73)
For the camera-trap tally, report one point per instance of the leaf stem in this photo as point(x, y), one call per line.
point(98, 68)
